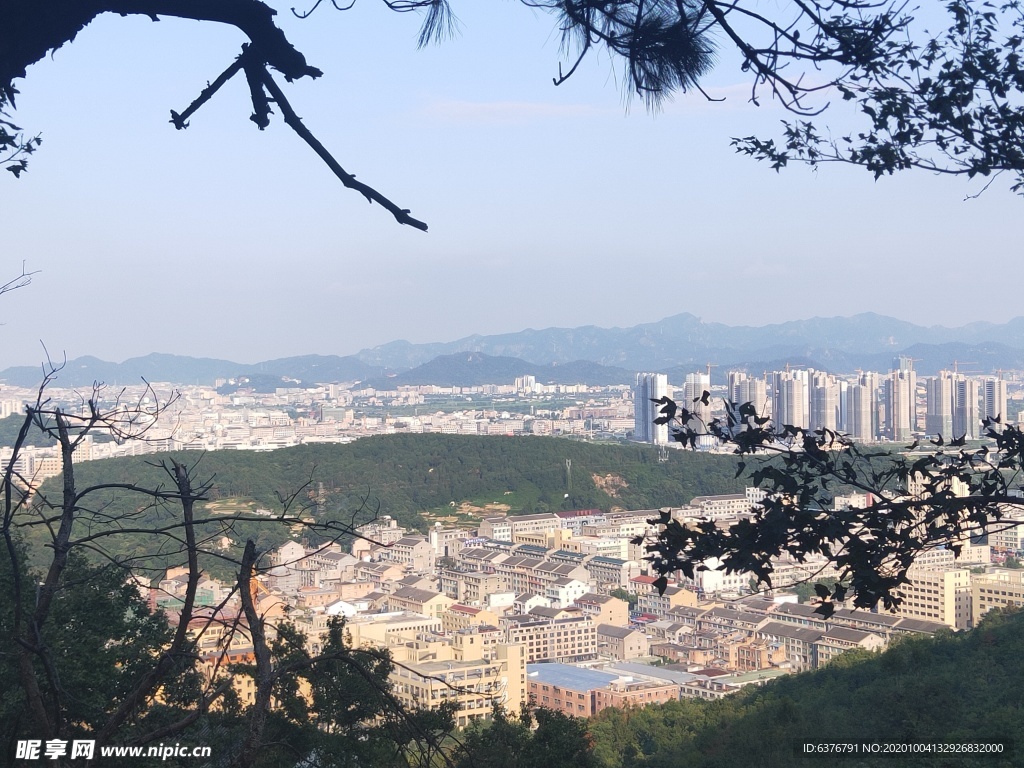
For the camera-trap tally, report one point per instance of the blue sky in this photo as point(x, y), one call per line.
point(547, 206)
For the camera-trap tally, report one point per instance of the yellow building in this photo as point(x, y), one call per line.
point(459, 617)
point(604, 609)
point(550, 538)
point(938, 595)
point(567, 639)
point(999, 588)
point(430, 673)
point(422, 601)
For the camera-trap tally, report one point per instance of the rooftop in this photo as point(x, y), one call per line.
point(568, 676)
point(655, 673)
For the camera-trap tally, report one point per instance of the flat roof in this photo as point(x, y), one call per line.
point(654, 673)
point(750, 677)
point(568, 676)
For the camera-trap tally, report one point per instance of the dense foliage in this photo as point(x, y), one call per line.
point(102, 637)
point(405, 475)
point(541, 738)
point(948, 103)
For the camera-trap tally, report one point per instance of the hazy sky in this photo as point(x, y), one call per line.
point(547, 206)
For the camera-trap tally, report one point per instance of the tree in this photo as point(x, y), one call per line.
point(948, 103)
point(941, 497)
point(622, 594)
point(541, 738)
point(86, 657)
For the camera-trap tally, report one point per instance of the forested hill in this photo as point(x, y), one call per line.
point(963, 688)
point(410, 474)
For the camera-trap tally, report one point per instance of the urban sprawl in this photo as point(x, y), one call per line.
point(558, 608)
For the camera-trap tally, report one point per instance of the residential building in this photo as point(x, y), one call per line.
point(694, 387)
point(421, 601)
point(826, 402)
point(604, 609)
point(607, 573)
point(939, 406)
point(999, 588)
point(430, 674)
point(459, 617)
point(745, 389)
point(568, 639)
point(899, 393)
point(994, 399)
point(621, 643)
point(790, 404)
point(414, 552)
point(861, 408)
point(729, 505)
point(938, 595)
point(966, 414)
point(649, 387)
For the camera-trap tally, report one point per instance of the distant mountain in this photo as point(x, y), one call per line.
point(318, 368)
point(83, 371)
point(685, 340)
point(468, 369)
point(178, 369)
point(675, 345)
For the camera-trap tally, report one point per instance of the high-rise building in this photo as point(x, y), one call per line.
point(648, 387)
point(966, 415)
point(825, 402)
point(899, 394)
point(694, 387)
point(744, 389)
point(861, 407)
point(525, 384)
point(994, 399)
point(938, 419)
point(790, 398)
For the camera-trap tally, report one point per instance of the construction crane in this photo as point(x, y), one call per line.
point(957, 363)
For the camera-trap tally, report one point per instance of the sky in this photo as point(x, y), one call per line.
point(547, 206)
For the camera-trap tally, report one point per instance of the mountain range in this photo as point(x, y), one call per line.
point(676, 345)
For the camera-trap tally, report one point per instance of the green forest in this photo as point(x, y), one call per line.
point(417, 479)
point(410, 474)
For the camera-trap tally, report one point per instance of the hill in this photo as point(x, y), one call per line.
point(415, 478)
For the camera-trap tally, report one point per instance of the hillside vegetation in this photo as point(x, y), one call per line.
point(448, 477)
point(967, 687)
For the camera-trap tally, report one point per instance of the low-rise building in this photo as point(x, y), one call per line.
point(568, 639)
point(621, 643)
point(604, 609)
point(414, 552)
point(459, 617)
point(608, 573)
point(431, 673)
point(998, 588)
point(422, 601)
point(938, 595)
